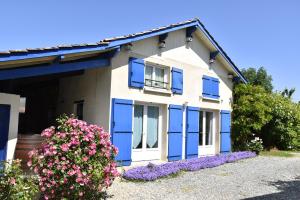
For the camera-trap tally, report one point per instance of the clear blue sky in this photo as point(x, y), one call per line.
point(254, 33)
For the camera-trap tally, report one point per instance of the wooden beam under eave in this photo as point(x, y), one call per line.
point(28, 62)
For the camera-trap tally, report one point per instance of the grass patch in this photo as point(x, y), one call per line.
point(277, 153)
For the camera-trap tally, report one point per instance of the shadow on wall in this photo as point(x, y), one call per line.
point(288, 190)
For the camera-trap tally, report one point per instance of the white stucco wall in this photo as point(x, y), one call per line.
point(94, 88)
point(193, 58)
point(14, 102)
point(97, 87)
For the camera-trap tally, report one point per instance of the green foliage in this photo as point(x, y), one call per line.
point(251, 111)
point(259, 77)
point(14, 185)
point(270, 116)
point(283, 130)
point(255, 145)
point(288, 92)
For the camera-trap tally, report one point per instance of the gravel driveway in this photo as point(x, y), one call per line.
point(254, 178)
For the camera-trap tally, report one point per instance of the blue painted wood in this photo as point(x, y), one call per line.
point(52, 69)
point(177, 81)
point(192, 132)
point(210, 87)
point(215, 88)
point(121, 128)
point(225, 131)
point(136, 72)
point(206, 87)
point(4, 129)
point(175, 132)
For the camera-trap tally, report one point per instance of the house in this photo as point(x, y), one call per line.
point(164, 94)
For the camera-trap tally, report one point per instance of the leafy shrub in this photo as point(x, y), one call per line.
point(283, 130)
point(76, 161)
point(14, 184)
point(251, 111)
point(152, 172)
point(255, 145)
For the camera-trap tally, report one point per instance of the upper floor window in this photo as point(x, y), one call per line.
point(156, 76)
point(210, 87)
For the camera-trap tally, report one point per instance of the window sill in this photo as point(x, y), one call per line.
point(210, 99)
point(157, 90)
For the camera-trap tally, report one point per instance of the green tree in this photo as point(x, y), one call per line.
point(251, 111)
point(259, 77)
point(288, 92)
point(283, 130)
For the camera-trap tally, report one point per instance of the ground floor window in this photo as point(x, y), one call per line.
point(206, 128)
point(145, 127)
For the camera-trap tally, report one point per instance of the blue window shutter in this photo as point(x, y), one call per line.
point(192, 132)
point(215, 88)
point(210, 87)
point(177, 80)
point(4, 129)
point(225, 131)
point(121, 126)
point(136, 72)
point(175, 132)
point(206, 89)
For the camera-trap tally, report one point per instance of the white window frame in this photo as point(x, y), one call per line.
point(166, 74)
point(207, 149)
point(145, 153)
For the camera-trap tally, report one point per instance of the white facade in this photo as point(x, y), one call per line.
point(97, 87)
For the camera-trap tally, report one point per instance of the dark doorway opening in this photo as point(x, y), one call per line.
point(41, 95)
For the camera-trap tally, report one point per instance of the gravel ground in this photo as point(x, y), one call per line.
point(254, 178)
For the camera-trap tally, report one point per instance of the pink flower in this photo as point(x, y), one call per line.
point(12, 181)
point(85, 159)
point(92, 152)
point(29, 163)
point(64, 147)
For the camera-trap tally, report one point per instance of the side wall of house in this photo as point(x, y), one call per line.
point(193, 58)
point(14, 102)
point(93, 87)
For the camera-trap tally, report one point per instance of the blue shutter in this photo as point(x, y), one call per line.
point(4, 129)
point(215, 88)
point(206, 90)
point(136, 72)
point(210, 87)
point(225, 131)
point(175, 132)
point(121, 126)
point(177, 80)
point(192, 132)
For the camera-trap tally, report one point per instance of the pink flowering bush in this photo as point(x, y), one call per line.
point(76, 160)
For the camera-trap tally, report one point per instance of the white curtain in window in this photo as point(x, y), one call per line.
point(209, 128)
point(159, 76)
point(138, 127)
point(152, 127)
point(148, 75)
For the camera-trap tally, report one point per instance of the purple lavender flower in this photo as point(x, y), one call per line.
point(152, 172)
